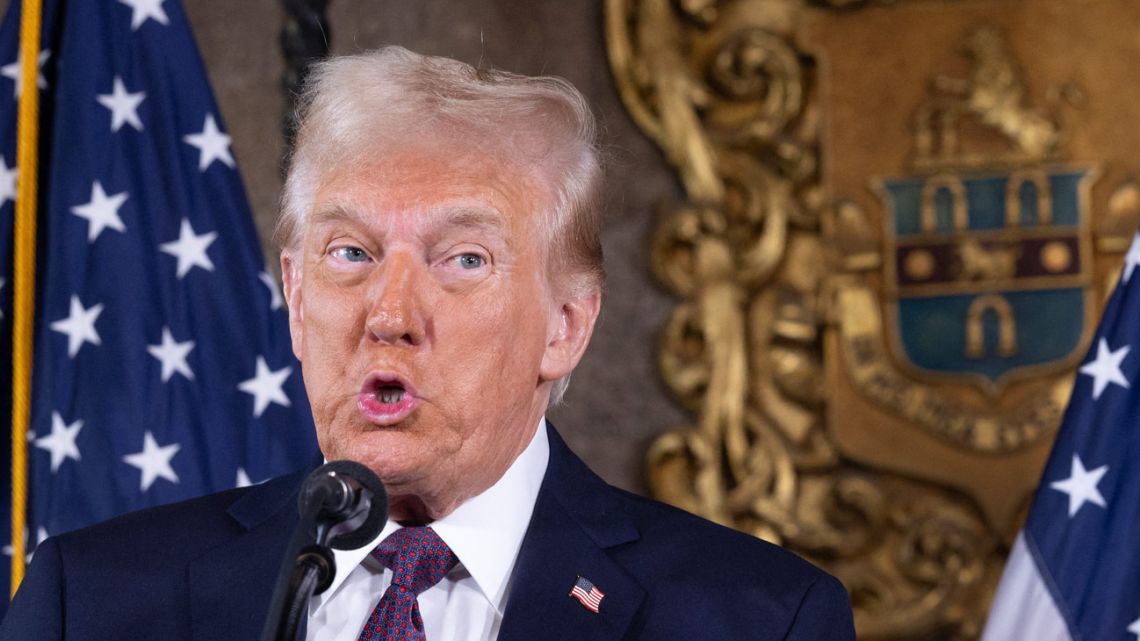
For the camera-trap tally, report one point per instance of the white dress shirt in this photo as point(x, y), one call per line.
point(485, 533)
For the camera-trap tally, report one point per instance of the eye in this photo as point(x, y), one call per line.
point(470, 261)
point(350, 254)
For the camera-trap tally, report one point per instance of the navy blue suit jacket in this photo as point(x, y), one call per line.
point(204, 570)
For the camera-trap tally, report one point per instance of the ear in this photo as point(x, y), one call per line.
point(291, 277)
point(569, 334)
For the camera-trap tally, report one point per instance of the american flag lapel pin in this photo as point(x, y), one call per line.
point(587, 594)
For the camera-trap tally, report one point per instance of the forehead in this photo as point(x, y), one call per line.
point(434, 185)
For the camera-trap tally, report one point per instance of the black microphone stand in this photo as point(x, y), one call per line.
point(311, 572)
point(332, 515)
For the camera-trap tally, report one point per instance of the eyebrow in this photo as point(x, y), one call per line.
point(466, 215)
point(334, 212)
point(474, 217)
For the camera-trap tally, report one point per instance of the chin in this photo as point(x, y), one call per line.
point(402, 458)
point(394, 471)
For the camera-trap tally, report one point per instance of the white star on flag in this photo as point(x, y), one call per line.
point(265, 386)
point(275, 301)
point(1132, 258)
point(212, 145)
point(1135, 628)
point(1105, 368)
point(79, 326)
point(1081, 485)
point(7, 181)
point(142, 10)
point(101, 212)
point(153, 461)
point(243, 479)
point(124, 105)
point(172, 355)
point(41, 536)
point(12, 71)
point(61, 442)
point(190, 249)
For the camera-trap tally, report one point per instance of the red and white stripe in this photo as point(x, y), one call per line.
point(591, 599)
point(1024, 609)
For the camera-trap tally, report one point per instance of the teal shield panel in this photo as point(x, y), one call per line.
point(1045, 302)
point(1049, 327)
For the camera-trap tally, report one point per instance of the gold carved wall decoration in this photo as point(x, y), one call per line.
point(886, 206)
point(993, 92)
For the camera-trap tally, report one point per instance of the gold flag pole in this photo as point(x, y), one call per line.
point(24, 277)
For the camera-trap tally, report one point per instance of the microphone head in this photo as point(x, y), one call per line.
point(360, 489)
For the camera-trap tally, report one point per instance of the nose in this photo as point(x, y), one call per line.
point(397, 315)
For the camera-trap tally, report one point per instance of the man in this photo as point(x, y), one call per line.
point(443, 272)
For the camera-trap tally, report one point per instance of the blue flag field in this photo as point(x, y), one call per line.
point(162, 365)
point(1074, 572)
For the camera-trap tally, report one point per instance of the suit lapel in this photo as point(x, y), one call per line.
point(232, 584)
point(576, 518)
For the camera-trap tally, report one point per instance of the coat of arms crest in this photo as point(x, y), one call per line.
point(888, 270)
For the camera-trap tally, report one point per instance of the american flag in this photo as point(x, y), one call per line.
point(1074, 572)
point(587, 593)
point(162, 362)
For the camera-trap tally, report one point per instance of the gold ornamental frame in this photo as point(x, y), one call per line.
point(808, 431)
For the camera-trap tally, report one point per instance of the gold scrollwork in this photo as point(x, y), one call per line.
point(760, 75)
point(765, 264)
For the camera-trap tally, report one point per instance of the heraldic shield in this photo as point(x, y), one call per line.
point(987, 274)
point(900, 221)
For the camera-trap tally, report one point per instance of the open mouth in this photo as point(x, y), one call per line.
point(390, 393)
point(385, 398)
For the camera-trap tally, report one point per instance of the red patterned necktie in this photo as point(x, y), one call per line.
point(418, 559)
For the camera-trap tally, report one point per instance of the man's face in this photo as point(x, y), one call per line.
point(425, 322)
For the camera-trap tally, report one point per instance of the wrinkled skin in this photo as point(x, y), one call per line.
point(427, 265)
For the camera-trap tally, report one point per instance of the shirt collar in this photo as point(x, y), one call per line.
point(485, 532)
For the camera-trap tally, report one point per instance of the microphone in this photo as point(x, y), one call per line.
point(343, 505)
point(346, 502)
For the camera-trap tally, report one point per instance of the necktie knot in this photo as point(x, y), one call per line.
point(417, 557)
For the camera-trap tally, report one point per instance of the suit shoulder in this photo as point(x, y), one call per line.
point(155, 533)
point(176, 529)
point(672, 545)
point(717, 552)
point(755, 589)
